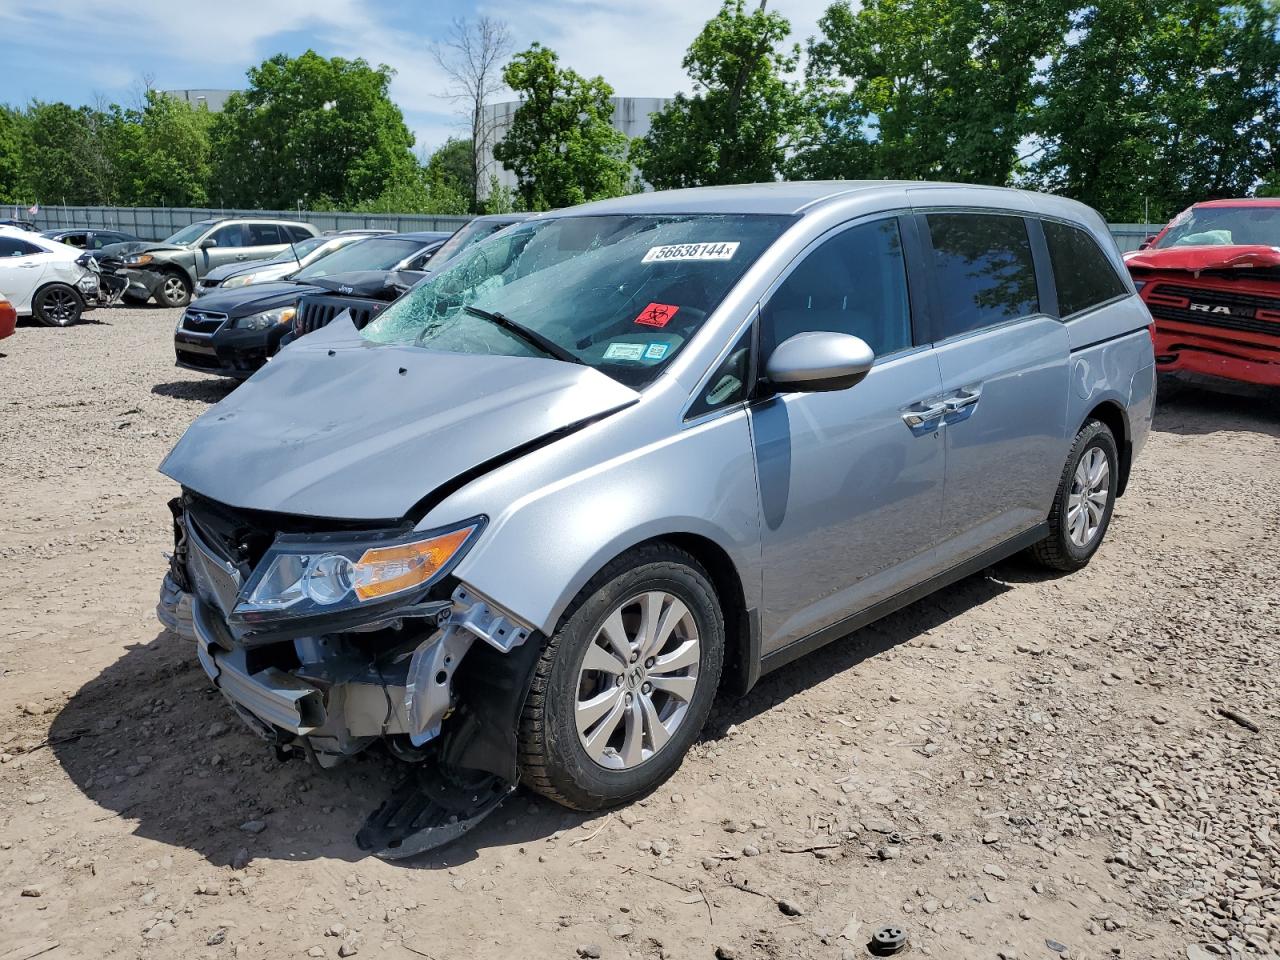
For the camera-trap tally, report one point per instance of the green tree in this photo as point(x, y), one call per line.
point(743, 114)
point(171, 152)
point(15, 148)
point(560, 145)
point(451, 164)
point(310, 128)
point(927, 89)
point(1156, 107)
point(65, 161)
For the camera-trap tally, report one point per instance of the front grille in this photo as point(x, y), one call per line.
point(318, 311)
point(202, 321)
point(1224, 309)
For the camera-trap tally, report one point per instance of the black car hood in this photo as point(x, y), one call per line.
point(370, 284)
point(254, 298)
point(338, 427)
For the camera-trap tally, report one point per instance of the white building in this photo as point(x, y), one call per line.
point(630, 115)
point(213, 99)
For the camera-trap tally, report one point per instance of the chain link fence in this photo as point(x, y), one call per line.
point(157, 223)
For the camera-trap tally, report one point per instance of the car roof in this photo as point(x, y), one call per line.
point(796, 197)
point(423, 236)
point(1242, 202)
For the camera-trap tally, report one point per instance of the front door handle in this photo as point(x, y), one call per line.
point(924, 415)
point(963, 399)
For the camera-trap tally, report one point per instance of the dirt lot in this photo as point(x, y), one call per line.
point(1022, 766)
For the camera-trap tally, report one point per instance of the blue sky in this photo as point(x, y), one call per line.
point(82, 50)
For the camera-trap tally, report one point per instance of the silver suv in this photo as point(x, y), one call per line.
point(170, 269)
point(525, 524)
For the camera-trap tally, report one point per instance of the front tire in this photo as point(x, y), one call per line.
point(57, 305)
point(174, 290)
point(625, 684)
point(1084, 502)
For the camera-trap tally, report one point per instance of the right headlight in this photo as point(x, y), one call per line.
point(267, 318)
point(138, 260)
point(242, 280)
point(304, 576)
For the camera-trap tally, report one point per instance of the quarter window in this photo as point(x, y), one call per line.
point(1081, 271)
point(728, 384)
point(983, 269)
point(855, 282)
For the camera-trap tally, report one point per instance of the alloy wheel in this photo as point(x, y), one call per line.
point(1087, 499)
point(173, 289)
point(60, 306)
point(637, 680)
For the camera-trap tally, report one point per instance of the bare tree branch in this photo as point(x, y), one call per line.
point(472, 57)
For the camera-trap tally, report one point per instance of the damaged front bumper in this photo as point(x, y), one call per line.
point(411, 682)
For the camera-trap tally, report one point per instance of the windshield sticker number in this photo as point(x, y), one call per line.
point(657, 315)
point(624, 351)
point(691, 251)
point(656, 351)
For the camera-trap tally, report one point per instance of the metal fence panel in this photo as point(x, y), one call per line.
point(156, 223)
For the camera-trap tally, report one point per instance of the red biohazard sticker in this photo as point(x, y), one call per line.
point(656, 315)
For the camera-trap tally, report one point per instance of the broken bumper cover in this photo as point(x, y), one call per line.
point(1183, 348)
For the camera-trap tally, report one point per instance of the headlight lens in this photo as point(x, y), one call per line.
point(139, 260)
point(242, 280)
point(266, 319)
point(301, 576)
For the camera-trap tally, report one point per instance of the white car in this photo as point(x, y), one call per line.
point(42, 278)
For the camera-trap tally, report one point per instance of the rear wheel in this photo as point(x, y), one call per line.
point(174, 291)
point(1085, 500)
point(626, 683)
point(57, 305)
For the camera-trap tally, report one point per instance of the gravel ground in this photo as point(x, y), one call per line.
point(1022, 766)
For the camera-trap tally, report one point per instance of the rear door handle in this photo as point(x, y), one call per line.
point(918, 417)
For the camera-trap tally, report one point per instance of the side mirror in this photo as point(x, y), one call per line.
point(1147, 242)
point(207, 243)
point(819, 361)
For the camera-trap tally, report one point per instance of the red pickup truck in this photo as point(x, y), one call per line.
point(1211, 280)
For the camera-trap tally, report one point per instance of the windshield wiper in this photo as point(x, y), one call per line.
point(549, 347)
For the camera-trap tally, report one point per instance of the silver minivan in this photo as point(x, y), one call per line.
point(523, 526)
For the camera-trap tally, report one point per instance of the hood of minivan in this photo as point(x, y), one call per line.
point(337, 427)
point(1206, 257)
point(253, 298)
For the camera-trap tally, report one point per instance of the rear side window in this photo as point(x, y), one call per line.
point(13, 247)
point(263, 234)
point(1081, 271)
point(983, 270)
point(855, 282)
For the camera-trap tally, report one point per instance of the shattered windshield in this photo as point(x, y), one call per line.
point(619, 293)
point(1219, 226)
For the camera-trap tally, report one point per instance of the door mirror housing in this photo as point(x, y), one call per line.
point(819, 361)
point(1147, 242)
point(208, 242)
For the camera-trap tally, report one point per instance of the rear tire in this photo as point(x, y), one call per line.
point(579, 666)
point(174, 290)
point(1085, 500)
point(57, 305)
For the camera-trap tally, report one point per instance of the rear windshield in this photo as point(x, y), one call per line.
point(619, 293)
point(375, 253)
point(1215, 226)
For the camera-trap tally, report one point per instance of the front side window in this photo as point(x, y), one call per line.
point(232, 235)
point(983, 270)
point(855, 282)
point(620, 293)
point(1081, 271)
